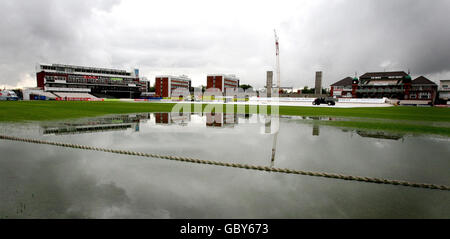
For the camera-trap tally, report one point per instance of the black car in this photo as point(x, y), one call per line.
point(322, 100)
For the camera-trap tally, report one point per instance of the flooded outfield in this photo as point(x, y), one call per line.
point(42, 181)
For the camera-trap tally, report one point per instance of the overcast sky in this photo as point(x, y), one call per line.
point(196, 38)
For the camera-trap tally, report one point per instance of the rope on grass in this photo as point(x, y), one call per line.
point(236, 165)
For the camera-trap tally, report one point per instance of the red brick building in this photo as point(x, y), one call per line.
point(423, 89)
point(222, 82)
point(165, 85)
point(342, 88)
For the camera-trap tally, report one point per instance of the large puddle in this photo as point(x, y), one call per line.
point(43, 181)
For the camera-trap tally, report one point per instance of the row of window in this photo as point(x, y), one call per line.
point(422, 88)
point(99, 80)
point(180, 81)
point(88, 87)
point(386, 77)
point(62, 69)
point(422, 95)
point(342, 87)
point(178, 85)
point(53, 78)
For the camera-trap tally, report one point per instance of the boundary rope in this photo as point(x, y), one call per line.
point(236, 165)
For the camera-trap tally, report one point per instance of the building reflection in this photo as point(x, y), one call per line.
point(316, 130)
point(316, 127)
point(267, 126)
point(173, 118)
point(271, 126)
point(212, 119)
point(111, 123)
point(362, 133)
point(162, 118)
point(379, 135)
point(221, 119)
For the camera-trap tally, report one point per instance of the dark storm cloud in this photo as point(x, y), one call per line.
point(342, 37)
point(337, 37)
point(417, 33)
point(43, 31)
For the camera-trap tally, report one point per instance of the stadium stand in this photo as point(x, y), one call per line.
point(75, 95)
point(104, 96)
point(114, 83)
point(37, 94)
point(48, 95)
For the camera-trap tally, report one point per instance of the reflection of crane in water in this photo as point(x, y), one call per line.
point(271, 127)
point(275, 137)
point(274, 149)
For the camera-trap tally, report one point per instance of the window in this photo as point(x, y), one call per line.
point(424, 95)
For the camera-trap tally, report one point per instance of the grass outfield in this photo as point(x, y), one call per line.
point(420, 120)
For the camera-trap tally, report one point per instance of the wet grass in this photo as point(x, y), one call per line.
point(408, 117)
point(391, 127)
point(56, 110)
point(431, 114)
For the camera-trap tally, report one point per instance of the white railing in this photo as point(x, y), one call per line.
point(46, 88)
point(359, 100)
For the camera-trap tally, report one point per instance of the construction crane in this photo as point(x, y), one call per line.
point(277, 48)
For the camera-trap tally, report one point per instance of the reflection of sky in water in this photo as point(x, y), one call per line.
point(46, 181)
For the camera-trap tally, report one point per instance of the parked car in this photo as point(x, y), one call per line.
point(323, 100)
point(8, 95)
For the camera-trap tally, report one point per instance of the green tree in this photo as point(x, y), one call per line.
point(245, 87)
point(306, 90)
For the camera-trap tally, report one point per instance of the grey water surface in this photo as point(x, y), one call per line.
point(43, 181)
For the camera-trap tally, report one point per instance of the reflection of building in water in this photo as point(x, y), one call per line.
point(368, 134)
point(379, 135)
point(271, 126)
point(119, 122)
point(162, 118)
point(316, 127)
point(316, 123)
point(221, 119)
point(316, 130)
point(268, 126)
point(172, 118)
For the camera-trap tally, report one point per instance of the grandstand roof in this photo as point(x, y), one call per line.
point(344, 82)
point(384, 74)
point(422, 80)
